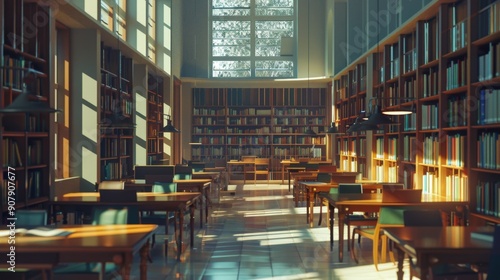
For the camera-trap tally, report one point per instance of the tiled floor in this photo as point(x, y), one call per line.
point(257, 233)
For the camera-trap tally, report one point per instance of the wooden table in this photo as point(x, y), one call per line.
point(183, 185)
point(146, 201)
point(430, 245)
point(371, 202)
point(286, 163)
point(313, 188)
point(86, 243)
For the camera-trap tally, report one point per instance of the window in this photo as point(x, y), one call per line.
point(151, 30)
point(247, 38)
point(113, 16)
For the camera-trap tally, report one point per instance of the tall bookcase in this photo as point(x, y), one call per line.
point(116, 115)
point(24, 137)
point(266, 122)
point(446, 62)
point(154, 119)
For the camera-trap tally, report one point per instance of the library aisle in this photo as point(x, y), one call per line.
point(257, 233)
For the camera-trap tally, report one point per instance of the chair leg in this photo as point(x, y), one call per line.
point(353, 252)
point(349, 238)
point(375, 252)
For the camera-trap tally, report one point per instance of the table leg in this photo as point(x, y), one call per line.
point(401, 258)
point(289, 180)
point(191, 224)
point(126, 267)
point(207, 201)
point(307, 206)
point(341, 234)
point(330, 217)
point(144, 260)
point(310, 198)
point(179, 233)
point(201, 211)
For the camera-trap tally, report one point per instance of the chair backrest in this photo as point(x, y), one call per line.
point(350, 188)
point(151, 179)
point(183, 172)
point(327, 168)
point(344, 177)
point(324, 177)
point(404, 196)
point(160, 187)
point(127, 195)
point(110, 216)
point(140, 171)
point(392, 186)
point(197, 166)
point(422, 218)
point(262, 161)
point(31, 217)
point(111, 185)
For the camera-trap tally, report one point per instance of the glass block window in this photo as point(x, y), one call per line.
point(247, 38)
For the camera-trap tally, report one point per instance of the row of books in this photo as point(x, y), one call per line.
point(298, 111)
point(430, 83)
point(248, 121)
point(392, 148)
point(409, 88)
point(11, 155)
point(208, 97)
point(248, 112)
point(455, 150)
point(208, 130)
point(489, 102)
point(262, 151)
point(114, 104)
point(35, 152)
point(488, 198)
point(410, 61)
point(210, 151)
point(349, 165)
point(248, 140)
point(457, 111)
point(14, 69)
point(489, 20)
point(430, 183)
point(430, 150)
point(209, 112)
point(456, 73)
point(410, 122)
point(379, 148)
point(212, 140)
point(299, 121)
point(488, 150)
point(219, 121)
point(458, 36)
point(431, 39)
point(430, 117)
point(456, 187)
point(489, 62)
point(409, 148)
point(34, 184)
point(152, 146)
point(112, 147)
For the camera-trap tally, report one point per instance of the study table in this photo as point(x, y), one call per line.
point(430, 245)
point(371, 203)
point(313, 188)
point(85, 243)
point(146, 201)
point(286, 164)
point(183, 185)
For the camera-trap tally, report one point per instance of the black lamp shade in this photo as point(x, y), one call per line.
point(28, 101)
point(377, 118)
point(310, 132)
point(170, 127)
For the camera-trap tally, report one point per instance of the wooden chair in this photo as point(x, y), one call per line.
point(388, 217)
point(248, 167)
point(262, 168)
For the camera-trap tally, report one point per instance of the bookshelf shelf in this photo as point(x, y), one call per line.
point(267, 122)
point(451, 146)
point(24, 137)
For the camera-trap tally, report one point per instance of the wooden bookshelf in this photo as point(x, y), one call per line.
point(266, 122)
point(116, 115)
point(447, 58)
point(24, 137)
point(154, 119)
